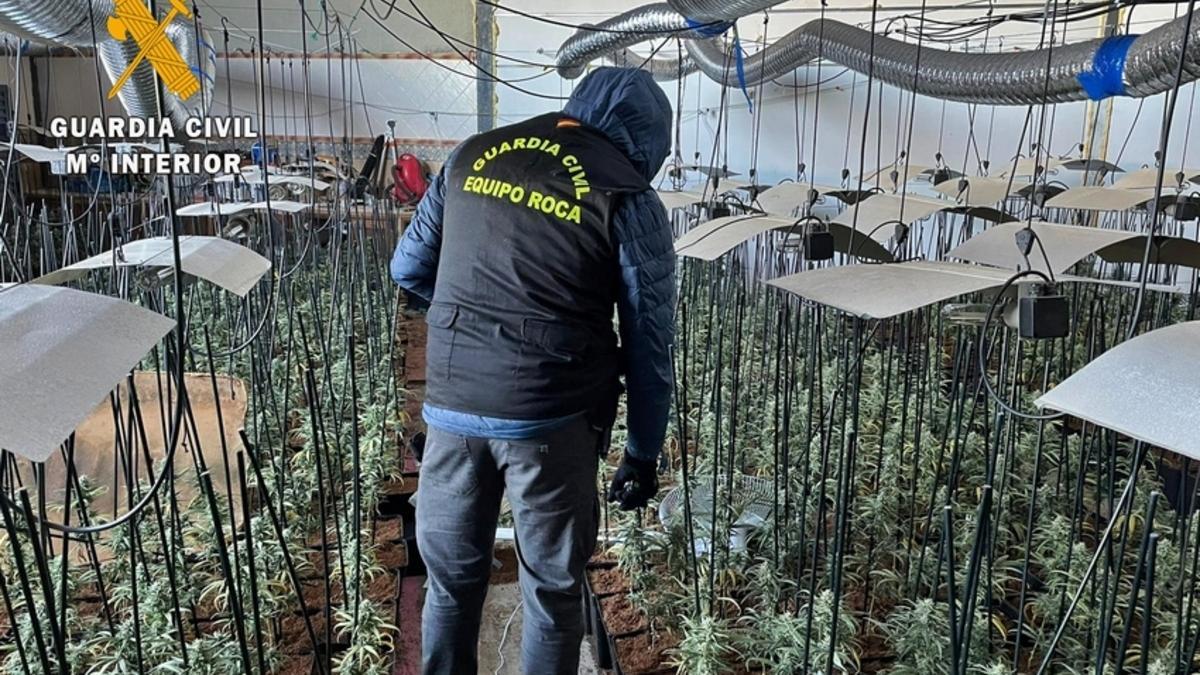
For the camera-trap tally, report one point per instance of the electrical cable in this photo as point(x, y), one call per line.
point(490, 77)
point(1155, 211)
point(597, 29)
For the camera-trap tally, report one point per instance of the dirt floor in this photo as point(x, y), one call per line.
point(502, 601)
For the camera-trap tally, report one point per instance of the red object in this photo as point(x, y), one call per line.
point(409, 176)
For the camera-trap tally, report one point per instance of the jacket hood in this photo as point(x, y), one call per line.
point(629, 107)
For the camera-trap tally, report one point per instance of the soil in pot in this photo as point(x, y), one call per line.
point(646, 653)
point(293, 638)
point(87, 610)
point(314, 594)
point(608, 581)
point(875, 654)
point(389, 530)
point(297, 664)
point(601, 559)
point(621, 617)
point(392, 555)
point(382, 589)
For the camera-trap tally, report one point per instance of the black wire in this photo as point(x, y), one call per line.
point(446, 36)
point(597, 29)
point(490, 77)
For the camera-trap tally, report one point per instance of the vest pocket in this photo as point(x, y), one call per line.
point(439, 347)
point(558, 340)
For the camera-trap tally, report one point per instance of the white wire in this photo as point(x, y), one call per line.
point(504, 637)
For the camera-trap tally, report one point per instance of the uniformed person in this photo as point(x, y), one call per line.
point(524, 244)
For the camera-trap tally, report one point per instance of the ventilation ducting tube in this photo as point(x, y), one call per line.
point(1124, 65)
point(82, 23)
point(720, 10)
point(664, 69)
point(610, 38)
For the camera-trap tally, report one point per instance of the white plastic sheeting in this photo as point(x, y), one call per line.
point(64, 350)
point(1147, 388)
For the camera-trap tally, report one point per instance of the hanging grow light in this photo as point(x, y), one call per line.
point(64, 350)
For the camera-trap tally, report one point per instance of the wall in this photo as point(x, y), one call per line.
point(830, 116)
point(427, 93)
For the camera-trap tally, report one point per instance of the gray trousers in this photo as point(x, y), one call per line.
point(551, 486)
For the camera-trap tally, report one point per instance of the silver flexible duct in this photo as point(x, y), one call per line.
point(1015, 78)
point(1000, 79)
point(664, 69)
point(63, 22)
point(198, 52)
point(80, 23)
point(624, 30)
point(720, 10)
point(138, 95)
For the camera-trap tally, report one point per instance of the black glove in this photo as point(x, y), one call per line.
point(634, 484)
point(417, 443)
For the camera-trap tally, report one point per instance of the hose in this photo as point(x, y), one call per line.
point(1125, 65)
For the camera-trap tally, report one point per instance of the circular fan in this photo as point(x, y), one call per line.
point(751, 507)
point(239, 226)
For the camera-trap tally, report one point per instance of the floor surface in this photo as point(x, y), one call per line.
point(503, 600)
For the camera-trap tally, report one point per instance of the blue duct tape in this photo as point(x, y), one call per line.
point(741, 70)
point(1107, 76)
point(201, 73)
point(709, 29)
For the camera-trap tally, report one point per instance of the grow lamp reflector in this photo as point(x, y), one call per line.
point(1028, 166)
point(1100, 199)
point(679, 199)
point(1066, 245)
point(211, 209)
point(64, 351)
point(1145, 179)
point(980, 191)
point(226, 264)
point(1091, 165)
point(1145, 388)
point(874, 213)
point(883, 291)
point(718, 237)
point(787, 199)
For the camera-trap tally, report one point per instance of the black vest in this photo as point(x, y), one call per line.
point(521, 325)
